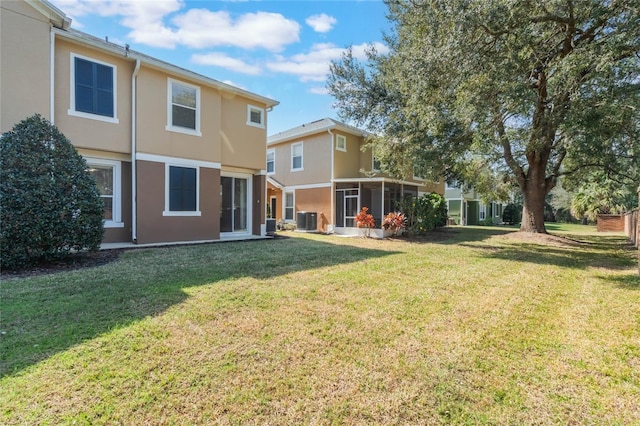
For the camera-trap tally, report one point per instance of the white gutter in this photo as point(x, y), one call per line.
point(333, 189)
point(52, 74)
point(134, 148)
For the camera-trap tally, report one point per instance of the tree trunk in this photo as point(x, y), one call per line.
point(535, 188)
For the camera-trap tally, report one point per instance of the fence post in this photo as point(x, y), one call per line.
point(638, 229)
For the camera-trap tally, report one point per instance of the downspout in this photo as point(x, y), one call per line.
point(333, 189)
point(52, 74)
point(134, 167)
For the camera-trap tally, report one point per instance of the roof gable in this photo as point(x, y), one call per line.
point(312, 128)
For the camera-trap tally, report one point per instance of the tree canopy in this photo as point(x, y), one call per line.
point(530, 91)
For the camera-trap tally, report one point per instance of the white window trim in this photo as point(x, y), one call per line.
point(482, 214)
point(373, 162)
point(72, 91)
point(185, 164)
point(116, 222)
point(452, 185)
point(271, 151)
point(258, 109)
point(342, 138)
point(301, 144)
point(177, 129)
point(284, 206)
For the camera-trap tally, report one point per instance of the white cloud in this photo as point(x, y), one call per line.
point(196, 28)
point(314, 65)
point(222, 60)
point(199, 28)
point(319, 90)
point(321, 23)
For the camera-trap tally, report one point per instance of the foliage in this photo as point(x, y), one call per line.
point(394, 222)
point(603, 197)
point(530, 91)
point(424, 213)
point(50, 204)
point(512, 214)
point(365, 220)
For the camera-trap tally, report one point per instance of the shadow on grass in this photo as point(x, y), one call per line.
point(628, 282)
point(570, 251)
point(47, 314)
point(459, 234)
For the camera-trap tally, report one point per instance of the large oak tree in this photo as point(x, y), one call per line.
point(533, 89)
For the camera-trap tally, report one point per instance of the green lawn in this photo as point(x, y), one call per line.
point(469, 326)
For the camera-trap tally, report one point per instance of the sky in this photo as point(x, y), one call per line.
point(277, 49)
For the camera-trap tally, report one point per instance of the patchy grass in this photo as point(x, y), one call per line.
point(467, 326)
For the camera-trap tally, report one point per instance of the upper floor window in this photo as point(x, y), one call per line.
point(375, 162)
point(454, 184)
point(296, 156)
point(341, 143)
point(271, 161)
point(255, 116)
point(93, 89)
point(183, 107)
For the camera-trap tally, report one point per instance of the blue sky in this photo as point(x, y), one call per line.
point(279, 49)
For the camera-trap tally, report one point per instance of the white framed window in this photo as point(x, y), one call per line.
point(289, 203)
point(271, 161)
point(182, 190)
point(255, 116)
point(483, 211)
point(375, 162)
point(341, 143)
point(93, 89)
point(108, 177)
point(183, 107)
point(297, 156)
point(454, 184)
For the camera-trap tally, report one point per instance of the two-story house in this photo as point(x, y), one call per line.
point(466, 207)
point(177, 156)
point(325, 168)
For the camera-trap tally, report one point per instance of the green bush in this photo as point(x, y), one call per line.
point(424, 213)
point(50, 206)
point(512, 214)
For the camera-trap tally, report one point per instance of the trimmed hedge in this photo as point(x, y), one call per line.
point(50, 206)
point(424, 213)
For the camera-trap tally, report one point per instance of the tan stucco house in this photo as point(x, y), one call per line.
point(178, 157)
point(325, 170)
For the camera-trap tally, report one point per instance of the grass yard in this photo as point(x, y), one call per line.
point(470, 326)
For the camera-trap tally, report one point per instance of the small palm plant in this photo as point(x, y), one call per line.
point(365, 220)
point(394, 222)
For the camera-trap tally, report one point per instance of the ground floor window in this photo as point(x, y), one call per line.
point(288, 206)
point(107, 174)
point(182, 189)
point(235, 212)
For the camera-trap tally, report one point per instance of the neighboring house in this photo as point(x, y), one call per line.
point(177, 156)
point(467, 207)
point(321, 168)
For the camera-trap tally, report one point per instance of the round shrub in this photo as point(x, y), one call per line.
point(50, 206)
point(512, 214)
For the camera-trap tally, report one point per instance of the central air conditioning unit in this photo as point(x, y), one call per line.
point(307, 222)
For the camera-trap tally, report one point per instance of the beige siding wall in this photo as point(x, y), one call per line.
point(315, 200)
point(316, 161)
point(349, 163)
point(152, 135)
point(87, 132)
point(242, 145)
point(24, 63)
